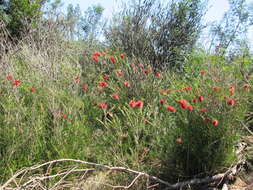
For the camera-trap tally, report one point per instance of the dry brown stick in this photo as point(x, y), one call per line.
point(246, 128)
point(67, 173)
point(206, 180)
point(86, 163)
point(130, 185)
point(105, 167)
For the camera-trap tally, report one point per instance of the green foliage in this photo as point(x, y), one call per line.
point(18, 14)
point(163, 34)
point(90, 24)
point(229, 32)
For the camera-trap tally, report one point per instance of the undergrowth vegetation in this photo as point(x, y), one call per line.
point(146, 100)
point(106, 108)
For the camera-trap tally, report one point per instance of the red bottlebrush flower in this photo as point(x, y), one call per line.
point(162, 101)
point(64, 115)
point(216, 88)
point(119, 73)
point(183, 103)
point(95, 58)
point(10, 77)
point(171, 109)
point(103, 84)
point(146, 121)
point(77, 80)
point(179, 140)
point(132, 103)
point(231, 102)
point(187, 88)
point(140, 65)
point(190, 107)
point(106, 77)
point(139, 104)
point(115, 96)
point(232, 90)
point(203, 72)
point(96, 55)
point(113, 60)
point(122, 55)
point(215, 122)
point(201, 98)
point(127, 84)
point(246, 86)
point(85, 88)
point(203, 109)
point(157, 74)
point(144, 71)
point(16, 82)
point(195, 101)
point(32, 89)
point(103, 106)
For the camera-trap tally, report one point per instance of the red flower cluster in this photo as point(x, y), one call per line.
point(122, 55)
point(232, 90)
point(115, 96)
point(119, 73)
point(246, 86)
point(215, 122)
point(85, 88)
point(10, 77)
point(102, 106)
point(201, 98)
point(106, 77)
point(171, 109)
point(77, 80)
point(203, 72)
point(103, 84)
point(138, 104)
point(96, 55)
point(16, 82)
point(185, 105)
point(157, 74)
point(126, 84)
point(113, 60)
point(162, 101)
point(216, 88)
point(230, 102)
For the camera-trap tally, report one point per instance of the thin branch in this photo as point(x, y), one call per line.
point(168, 186)
point(130, 185)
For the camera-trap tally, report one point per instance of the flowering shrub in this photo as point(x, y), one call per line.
point(121, 112)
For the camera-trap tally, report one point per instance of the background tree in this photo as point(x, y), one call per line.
point(231, 30)
point(18, 14)
point(160, 33)
point(73, 18)
point(91, 23)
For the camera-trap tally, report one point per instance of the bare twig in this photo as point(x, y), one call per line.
point(130, 185)
point(245, 126)
point(168, 186)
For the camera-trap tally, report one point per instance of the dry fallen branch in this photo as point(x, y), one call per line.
point(36, 180)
